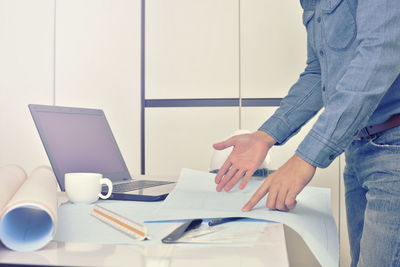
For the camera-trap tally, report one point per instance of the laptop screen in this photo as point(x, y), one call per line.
point(78, 140)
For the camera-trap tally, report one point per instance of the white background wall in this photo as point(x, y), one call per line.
point(86, 53)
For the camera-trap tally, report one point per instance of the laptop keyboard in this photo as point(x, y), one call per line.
point(135, 185)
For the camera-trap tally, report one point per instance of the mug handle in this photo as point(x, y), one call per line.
point(109, 185)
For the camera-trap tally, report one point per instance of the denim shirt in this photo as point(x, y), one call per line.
point(352, 72)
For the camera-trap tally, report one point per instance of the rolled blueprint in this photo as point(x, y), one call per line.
point(28, 220)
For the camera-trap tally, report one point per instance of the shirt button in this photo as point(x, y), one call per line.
point(331, 157)
point(319, 19)
point(323, 88)
point(321, 53)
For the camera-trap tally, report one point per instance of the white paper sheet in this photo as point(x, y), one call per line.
point(195, 196)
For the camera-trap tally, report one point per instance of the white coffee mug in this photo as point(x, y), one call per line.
point(85, 187)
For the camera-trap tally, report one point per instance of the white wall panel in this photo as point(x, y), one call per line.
point(192, 49)
point(182, 137)
point(273, 47)
point(26, 76)
point(98, 65)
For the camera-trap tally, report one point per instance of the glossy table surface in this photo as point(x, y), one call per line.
point(268, 250)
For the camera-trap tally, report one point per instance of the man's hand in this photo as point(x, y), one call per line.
point(283, 185)
point(249, 151)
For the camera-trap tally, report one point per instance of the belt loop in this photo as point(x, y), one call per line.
point(365, 129)
point(362, 134)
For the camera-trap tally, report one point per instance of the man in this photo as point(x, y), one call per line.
point(352, 71)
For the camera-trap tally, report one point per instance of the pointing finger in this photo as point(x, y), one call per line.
point(257, 196)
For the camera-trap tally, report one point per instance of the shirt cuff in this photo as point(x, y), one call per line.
point(317, 151)
point(277, 128)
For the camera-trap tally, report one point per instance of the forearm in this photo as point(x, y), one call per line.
point(365, 81)
point(302, 103)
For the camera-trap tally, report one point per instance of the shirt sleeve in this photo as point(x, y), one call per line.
point(374, 67)
point(303, 101)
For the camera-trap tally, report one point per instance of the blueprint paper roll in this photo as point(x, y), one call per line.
point(26, 228)
point(28, 222)
point(11, 179)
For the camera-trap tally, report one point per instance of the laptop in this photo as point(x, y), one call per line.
point(81, 140)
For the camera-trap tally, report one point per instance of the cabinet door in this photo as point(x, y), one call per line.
point(182, 137)
point(98, 65)
point(192, 49)
point(253, 117)
point(273, 47)
point(26, 76)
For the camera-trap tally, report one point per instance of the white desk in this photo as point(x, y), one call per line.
point(268, 250)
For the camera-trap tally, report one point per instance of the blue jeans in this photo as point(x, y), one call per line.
point(372, 183)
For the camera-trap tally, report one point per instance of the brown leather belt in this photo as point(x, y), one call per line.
point(377, 128)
